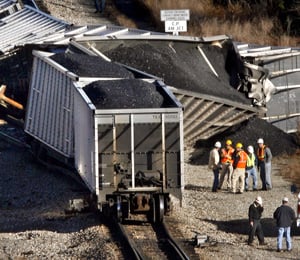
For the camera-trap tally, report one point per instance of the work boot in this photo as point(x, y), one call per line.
point(263, 243)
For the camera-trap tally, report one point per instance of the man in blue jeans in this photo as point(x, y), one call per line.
point(264, 157)
point(284, 216)
point(214, 164)
point(251, 169)
point(99, 5)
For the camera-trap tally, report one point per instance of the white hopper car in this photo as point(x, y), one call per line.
point(123, 135)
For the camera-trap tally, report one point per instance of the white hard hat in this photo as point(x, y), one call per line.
point(260, 141)
point(285, 199)
point(250, 149)
point(258, 200)
point(218, 145)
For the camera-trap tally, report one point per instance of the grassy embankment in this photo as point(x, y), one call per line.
point(243, 23)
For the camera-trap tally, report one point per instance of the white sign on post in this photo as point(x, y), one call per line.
point(175, 15)
point(175, 26)
point(175, 20)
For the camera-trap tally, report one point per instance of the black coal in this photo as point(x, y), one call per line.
point(127, 93)
point(180, 64)
point(91, 66)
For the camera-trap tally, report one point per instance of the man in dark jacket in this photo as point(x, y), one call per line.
point(264, 157)
point(255, 211)
point(284, 216)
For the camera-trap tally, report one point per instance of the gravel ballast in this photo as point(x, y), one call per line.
point(34, 223)
point(223, 216)
point(33, 199)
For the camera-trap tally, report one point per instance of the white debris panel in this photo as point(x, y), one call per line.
point(25, 26)
point(272, 77)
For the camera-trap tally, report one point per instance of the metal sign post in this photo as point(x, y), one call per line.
point(298, 211)
point(175, 20)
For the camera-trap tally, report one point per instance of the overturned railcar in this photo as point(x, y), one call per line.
point(124, 136)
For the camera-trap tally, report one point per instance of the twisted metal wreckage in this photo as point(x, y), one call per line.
point(268, 75)
point(164, 92)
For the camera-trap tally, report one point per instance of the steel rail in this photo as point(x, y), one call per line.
point(135, 251)
point(177, 248)
point(131, 247)
point(171, 247)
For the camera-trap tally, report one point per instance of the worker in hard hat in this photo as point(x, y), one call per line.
point(239, 169)
point(255, 212)
point(214, 164)
point(251, 169)
point(226, 161)
point(264, 157)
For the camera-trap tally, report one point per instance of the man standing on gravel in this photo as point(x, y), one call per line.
point(99, 5)
point(239, 165)
point(214, 164)
point(264, 157)
point(255, 211)
point(251, 169)
point(227, 169)
point(284, 216)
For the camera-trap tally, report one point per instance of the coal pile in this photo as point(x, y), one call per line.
point(180, 64)
point(91, 66)
point(247, 133)
point(126, 93)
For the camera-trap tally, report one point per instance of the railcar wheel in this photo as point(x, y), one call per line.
point(119, 214)
point(160, 208)
point(157, 209)
point(152, 211)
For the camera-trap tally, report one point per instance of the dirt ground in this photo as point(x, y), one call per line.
point(34, 223)
point(223, 216)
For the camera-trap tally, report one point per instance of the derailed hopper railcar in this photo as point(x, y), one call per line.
point(124, 136)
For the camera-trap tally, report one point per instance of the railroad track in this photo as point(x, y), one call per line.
point(149, 241)
point(143, 239)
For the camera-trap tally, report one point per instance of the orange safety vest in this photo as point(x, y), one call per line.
point(261, 153)
point(243, 156)
point(226, 156)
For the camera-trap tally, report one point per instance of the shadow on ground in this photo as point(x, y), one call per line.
point(196, 187)
point(33, 197)
point(241, 226)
